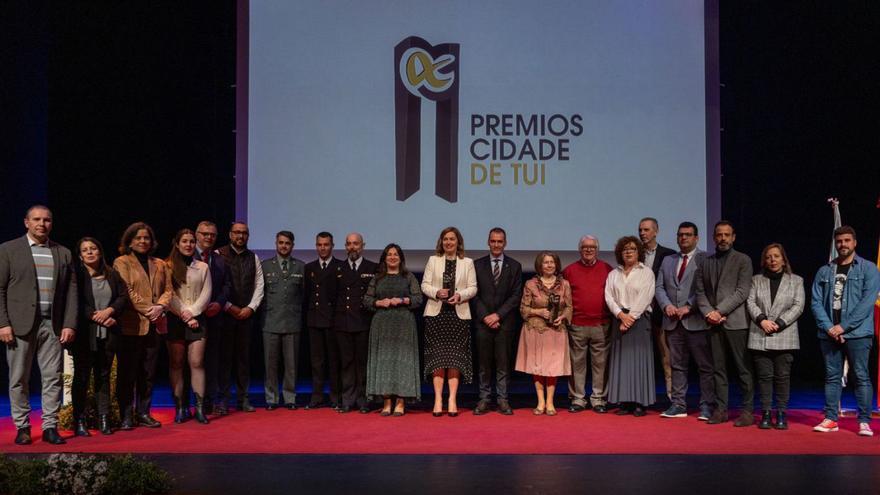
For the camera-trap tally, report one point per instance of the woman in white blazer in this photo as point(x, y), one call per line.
point(191, 280)
point(775, 302)
point(449, 283)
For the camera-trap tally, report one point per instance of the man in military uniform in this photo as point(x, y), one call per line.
point(352, 323)
point(321, 280)
point(281, 319)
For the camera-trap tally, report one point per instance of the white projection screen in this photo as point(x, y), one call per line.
point(550, 119)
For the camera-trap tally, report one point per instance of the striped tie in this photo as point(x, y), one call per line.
point(496, 270)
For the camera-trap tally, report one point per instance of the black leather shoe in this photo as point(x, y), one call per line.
point(576, 408)
point(639, 411)
point(127, 422)
point(291, 406)
point(148, 421)
point(315, 405)
point(766, 421)
point(271, 407)
point(364, 410)
point(781, 421)
point(50, 435)
point(344, 409)
point(482, 408)
point(600, 409)
point(23, 436)
point(104, 425)
point(221, 409)
point(81, 430)
point(245, 406)
point(504, 407)
point(623, 410)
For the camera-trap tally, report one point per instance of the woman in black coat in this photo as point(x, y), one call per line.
point(102, 297)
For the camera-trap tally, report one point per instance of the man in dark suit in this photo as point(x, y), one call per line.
point(38, 302)
point(218, 339)
point(351, 324)
point(723, 283)
point(499, 290)
point(686, 330)
point(321, 283)
point(654, 254)
point(281, 319)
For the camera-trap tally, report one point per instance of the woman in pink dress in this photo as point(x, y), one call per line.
point(543, 343)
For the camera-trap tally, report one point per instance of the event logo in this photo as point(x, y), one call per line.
point(430, 72)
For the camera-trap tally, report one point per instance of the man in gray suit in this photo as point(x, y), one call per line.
point(686, 330)
point(723, 283)
point(281, 319)
point(37, 316)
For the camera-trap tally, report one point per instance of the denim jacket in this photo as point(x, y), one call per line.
point(859, 296)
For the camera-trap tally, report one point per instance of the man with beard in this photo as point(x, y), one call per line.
point(351, 323)
point(245, 296)
point(723, 283)
point(844, 293)
point(281, 319)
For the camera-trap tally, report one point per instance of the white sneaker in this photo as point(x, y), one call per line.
point(865, 430)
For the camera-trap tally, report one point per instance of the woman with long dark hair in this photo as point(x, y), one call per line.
point(393, 358)
point(102, 298)
point(191, 279)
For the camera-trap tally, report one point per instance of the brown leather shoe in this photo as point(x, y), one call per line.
point(718, 417)
point(745, 419)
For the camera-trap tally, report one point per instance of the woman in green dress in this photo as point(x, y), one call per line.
point(393, 359)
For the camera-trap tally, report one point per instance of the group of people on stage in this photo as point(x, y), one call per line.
point(203, 303)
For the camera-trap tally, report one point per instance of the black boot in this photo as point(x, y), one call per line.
point(104, 425)
point(781, 421)
point(81, 430)
point(200, 410)
point(766, 420)
point(179, 412)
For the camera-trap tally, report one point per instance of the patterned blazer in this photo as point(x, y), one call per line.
point(787, 307)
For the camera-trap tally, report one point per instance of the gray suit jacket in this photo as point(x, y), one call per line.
point(787, 306)
point(19, 293)
point(725, 290)
point(282, 308)
point(669, 290)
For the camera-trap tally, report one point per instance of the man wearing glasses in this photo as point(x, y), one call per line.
point(245, 295)
point(589, 326)
point(219, 341)
point(686, 330)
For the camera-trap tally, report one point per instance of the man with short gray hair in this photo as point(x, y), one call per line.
point(589, 328)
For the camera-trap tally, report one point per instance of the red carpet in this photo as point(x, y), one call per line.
point(327, 432)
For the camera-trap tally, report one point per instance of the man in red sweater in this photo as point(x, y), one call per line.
point(589, 326)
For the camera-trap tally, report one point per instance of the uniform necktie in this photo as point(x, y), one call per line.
point(323, 265)
point(496, 270)
point(353, 267)
point(684, 264)
point(284, 267)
